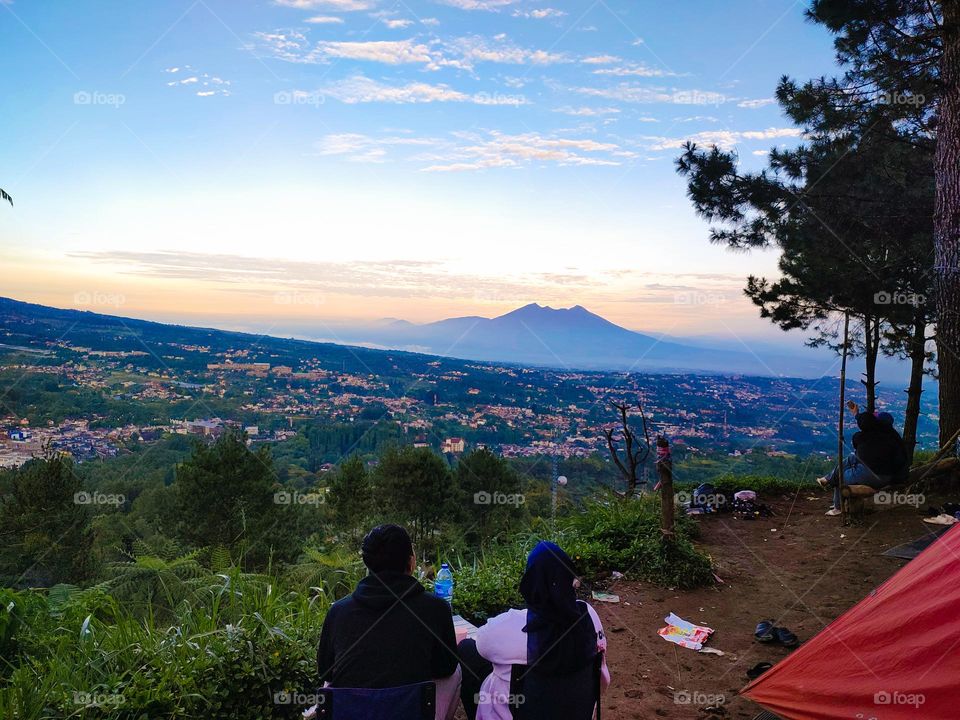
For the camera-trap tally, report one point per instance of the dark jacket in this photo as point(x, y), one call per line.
point(388, 632)
point(879, 446)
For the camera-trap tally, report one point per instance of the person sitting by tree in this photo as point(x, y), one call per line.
point(878, 458)
point(556, 636)
point(390, 632)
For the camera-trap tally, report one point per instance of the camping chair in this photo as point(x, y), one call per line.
point(545, 697)
point(407, 702)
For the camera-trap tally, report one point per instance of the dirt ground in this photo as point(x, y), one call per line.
point(799, 568)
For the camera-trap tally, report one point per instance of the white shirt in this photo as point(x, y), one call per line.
point(503, 642)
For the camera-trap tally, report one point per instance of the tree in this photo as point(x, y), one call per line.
point(225, 498)
point(850, 213)
point(490, 496)
point(350, 496)
point(44, 538)
point(636, 447)
point(902, 59)
point(415, 487)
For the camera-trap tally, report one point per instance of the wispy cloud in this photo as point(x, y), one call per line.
point(752, 104)
point(361, 89)
point(357, 147)
point(632, 93)
point(497, 150)
point(335, 5)
point(633, 69)
point(600, 59)
point(722, 138)
point(587, 111)
point(464, 52)
point(387, 278)
point(207, 84)
point(324, 20)
point(489, 5)
point(540, 14)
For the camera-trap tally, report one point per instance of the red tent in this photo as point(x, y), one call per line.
point(893, 656)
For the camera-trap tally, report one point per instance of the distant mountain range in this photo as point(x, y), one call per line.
point(572, 338)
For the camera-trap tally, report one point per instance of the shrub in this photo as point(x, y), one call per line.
point(489, 584)
point(625, 536)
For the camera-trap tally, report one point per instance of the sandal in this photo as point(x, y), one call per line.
point(764, 631)
point(785, 637)
point(759, 669)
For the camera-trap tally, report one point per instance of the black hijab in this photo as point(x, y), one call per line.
point(561, 638)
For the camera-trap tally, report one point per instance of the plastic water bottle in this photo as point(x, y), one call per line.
point(443, 585)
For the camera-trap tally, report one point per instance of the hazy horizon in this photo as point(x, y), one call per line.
point(364, 160)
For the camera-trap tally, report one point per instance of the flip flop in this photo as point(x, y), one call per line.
point(759, 669)
point(764, 631)
point(785, 637)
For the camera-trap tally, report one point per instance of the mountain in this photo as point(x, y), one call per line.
point(571, 338)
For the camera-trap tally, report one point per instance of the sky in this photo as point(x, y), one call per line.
point(261, 163)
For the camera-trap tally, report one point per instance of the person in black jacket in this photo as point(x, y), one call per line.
point(879, 457)
point(390, 631)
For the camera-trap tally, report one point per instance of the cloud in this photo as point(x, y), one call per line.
point(398, 23)
point(335, 5)
point(324, 20)
point(364, 148)
point(540, 14)
point(752, 104)
point(497, 150)
point(210, 84)
point(264, 276)
point(587, 111)
point(600, 59)
point(638, 70)
point(643, 94)
point(722, 138)
point(464, 53)
point(390, 52)
point(489, 5)
point(476, 49)
point(361, 89)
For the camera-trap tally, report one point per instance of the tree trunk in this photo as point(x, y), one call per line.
point(946, 224)
point(871, 347)
point(918, 356)
point(665, 471)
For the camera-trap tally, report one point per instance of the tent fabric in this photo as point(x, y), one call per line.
point(893, 656)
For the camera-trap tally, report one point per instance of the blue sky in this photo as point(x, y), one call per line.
point(253, 162)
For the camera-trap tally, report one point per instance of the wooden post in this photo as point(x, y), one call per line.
point(665, 472)
point(843, 398)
